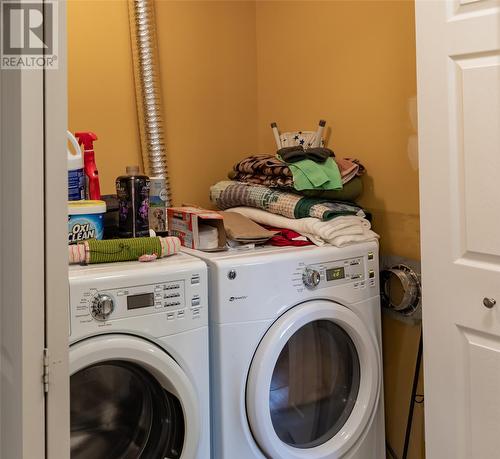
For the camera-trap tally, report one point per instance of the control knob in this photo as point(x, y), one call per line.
point(102, 306)
point(311, 278)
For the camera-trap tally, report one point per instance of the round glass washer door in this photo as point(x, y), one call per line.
point(130, 400)
point(314, 383)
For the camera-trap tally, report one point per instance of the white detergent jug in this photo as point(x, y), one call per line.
point(76, 174)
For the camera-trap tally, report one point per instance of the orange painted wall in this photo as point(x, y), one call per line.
point(100, 84)
point(208, 70)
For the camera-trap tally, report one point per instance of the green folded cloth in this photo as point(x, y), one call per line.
point(352, 190)
point(310, 175)
point(307, 207)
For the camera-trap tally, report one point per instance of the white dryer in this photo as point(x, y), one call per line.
point(296, 353)
point(139, 360)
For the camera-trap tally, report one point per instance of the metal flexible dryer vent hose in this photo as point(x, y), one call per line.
point(148, 90)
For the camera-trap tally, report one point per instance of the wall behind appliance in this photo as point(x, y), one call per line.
point(101, 94)
point(208, 73)
point(353, 64)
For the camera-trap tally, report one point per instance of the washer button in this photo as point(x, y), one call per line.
point(195, 279)
point(195, 301)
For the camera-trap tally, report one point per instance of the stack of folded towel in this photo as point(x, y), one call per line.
point(322, 222)
point(305, 190)
point(340, 231)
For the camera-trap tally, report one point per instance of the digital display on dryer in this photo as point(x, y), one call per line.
point(144, 300)
point(335, 274)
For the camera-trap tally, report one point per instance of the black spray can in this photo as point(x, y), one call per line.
point(132, 191)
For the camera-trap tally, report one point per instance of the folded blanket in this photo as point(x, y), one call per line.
point(270, 171)
point(272, 181)
point(234, 194)
point(339, 232)
point(351, 190)
point(263, 164)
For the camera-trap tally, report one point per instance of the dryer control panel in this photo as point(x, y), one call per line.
point(360, 271)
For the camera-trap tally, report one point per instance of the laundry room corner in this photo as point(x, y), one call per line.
point(227, 70)
point(354, 62)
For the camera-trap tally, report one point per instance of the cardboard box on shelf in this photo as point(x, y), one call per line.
point(186, 223)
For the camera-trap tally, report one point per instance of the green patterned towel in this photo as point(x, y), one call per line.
point(234, 194)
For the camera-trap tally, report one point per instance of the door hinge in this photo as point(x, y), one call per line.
point(45, 376)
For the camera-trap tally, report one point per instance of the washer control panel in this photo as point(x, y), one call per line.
point(168, 297)
point(156, 299)
point(360, 271)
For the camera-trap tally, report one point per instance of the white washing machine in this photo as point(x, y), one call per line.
point(296, 353)
point(139, 360)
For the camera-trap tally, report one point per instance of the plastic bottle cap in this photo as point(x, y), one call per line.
point(86, 207)
point(132, 170)
point(75, 157)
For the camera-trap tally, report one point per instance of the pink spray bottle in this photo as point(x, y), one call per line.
point(87, 140)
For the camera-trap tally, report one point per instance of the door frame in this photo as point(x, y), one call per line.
point(56, 249)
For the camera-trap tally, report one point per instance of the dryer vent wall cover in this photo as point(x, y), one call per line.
point(400, 289)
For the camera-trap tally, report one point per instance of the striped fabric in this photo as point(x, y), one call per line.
point(113, 250)
point(263, 164)
point(270, 171)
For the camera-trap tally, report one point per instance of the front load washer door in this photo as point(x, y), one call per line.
point(314, 383)
point(130, 400)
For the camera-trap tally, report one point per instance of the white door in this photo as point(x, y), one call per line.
point(314, 383)
point(458, 62)
point(130, 399)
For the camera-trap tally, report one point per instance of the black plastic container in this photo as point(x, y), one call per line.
point(132, 191)
point(111, 216)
